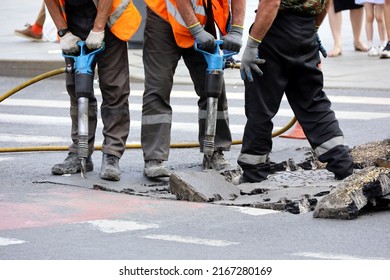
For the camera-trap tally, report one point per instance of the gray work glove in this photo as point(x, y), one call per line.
point(68, 43)
point(233, 40)
point(94, 39)
point(205, 40)
point(250, 60)
point(322, 49)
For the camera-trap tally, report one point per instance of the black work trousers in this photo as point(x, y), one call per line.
point(161, 55)
point(114, 83)
point(291, 52)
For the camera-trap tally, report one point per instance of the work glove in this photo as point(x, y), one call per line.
point(94, 39)
point(233, 40)
point(205, 40)
point(250, 60)
point(68, 43)
point(322, 49)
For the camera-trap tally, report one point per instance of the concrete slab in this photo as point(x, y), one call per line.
point(203, 186)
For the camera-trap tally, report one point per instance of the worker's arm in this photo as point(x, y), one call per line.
point(53, 6)
point(68, 41)
point(205, 40)
point(96, 35)
point(233, 40)
point(265, 16)
point(103, 12)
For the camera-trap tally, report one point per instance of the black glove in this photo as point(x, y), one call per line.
point(322, 49)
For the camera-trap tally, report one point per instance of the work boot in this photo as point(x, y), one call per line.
point(71, 165)
point(110, 168)
point(28, 33)
point(155, 169)
point(217, 161)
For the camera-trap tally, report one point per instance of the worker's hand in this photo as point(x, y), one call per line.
point(94, 39)
point(322, 49)
point(250, 60)
point(205, 40)
point(233, 40)
point(68, 43)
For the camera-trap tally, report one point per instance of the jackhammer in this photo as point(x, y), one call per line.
point(82, 68)
point(216, 62)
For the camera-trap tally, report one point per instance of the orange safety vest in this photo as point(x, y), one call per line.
point(167, 10)
point(123, 21)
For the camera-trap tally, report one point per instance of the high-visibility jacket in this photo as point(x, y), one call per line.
point(124, 19)
point(167, 9)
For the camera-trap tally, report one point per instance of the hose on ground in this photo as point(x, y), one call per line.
point(38, 78)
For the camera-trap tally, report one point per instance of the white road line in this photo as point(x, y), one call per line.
point(115, 226)
point(21, 138)
point(192, 240)
point(253, 211)
point(58, 121)
point(10, 241)
point(326, 256)
point(193, 109)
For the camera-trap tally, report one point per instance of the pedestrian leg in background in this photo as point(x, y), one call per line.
point(34, 32)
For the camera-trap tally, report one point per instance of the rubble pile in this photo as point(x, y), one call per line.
point(304, 185)
point(368, 187)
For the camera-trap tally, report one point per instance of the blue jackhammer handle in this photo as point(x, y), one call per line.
point(214, 60)
point(83, 62)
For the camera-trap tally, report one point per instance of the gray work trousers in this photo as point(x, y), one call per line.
point(114, 83)
point(160, 56)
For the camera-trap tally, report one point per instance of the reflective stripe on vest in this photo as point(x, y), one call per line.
point(328, 145)
point(252, 159)
point(167, 10)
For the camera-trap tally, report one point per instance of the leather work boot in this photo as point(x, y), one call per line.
point(110, 168)
point(156, 168)
point(217, 161)
point(71, 165)
point(28, 33)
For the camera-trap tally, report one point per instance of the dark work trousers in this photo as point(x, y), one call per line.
point(160, 56)
point(291, 52)
point(114, 83)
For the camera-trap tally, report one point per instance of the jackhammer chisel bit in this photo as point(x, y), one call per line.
point(213, 88)
point(83, 71)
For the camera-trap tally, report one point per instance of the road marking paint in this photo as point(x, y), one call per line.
point(192, 240)
point(254, 211)
point(21, 138)
point(6, 158)
point(115, 226)
point(193, 109)
point(57, 121)
point(10, 241)
point(326, 256)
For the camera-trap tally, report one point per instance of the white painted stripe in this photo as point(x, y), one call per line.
point(20, 138)
point(326, 256)
point(192, 240)
point(10, 241)
point(254, 211)
point(5, 158)
point(359, 100)
point(58, 121)
point(115, 226)
point(193, 109)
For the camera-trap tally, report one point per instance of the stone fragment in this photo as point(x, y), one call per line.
point(348, 199)
point(204, 186)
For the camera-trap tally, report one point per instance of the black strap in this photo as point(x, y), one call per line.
point(210, 26)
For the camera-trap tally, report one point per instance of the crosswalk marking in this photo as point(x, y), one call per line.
point(193, 109)
point(115, 226)
point(192, 240)
point(10, 241)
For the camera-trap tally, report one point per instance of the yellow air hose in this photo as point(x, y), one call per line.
point(99, 147)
